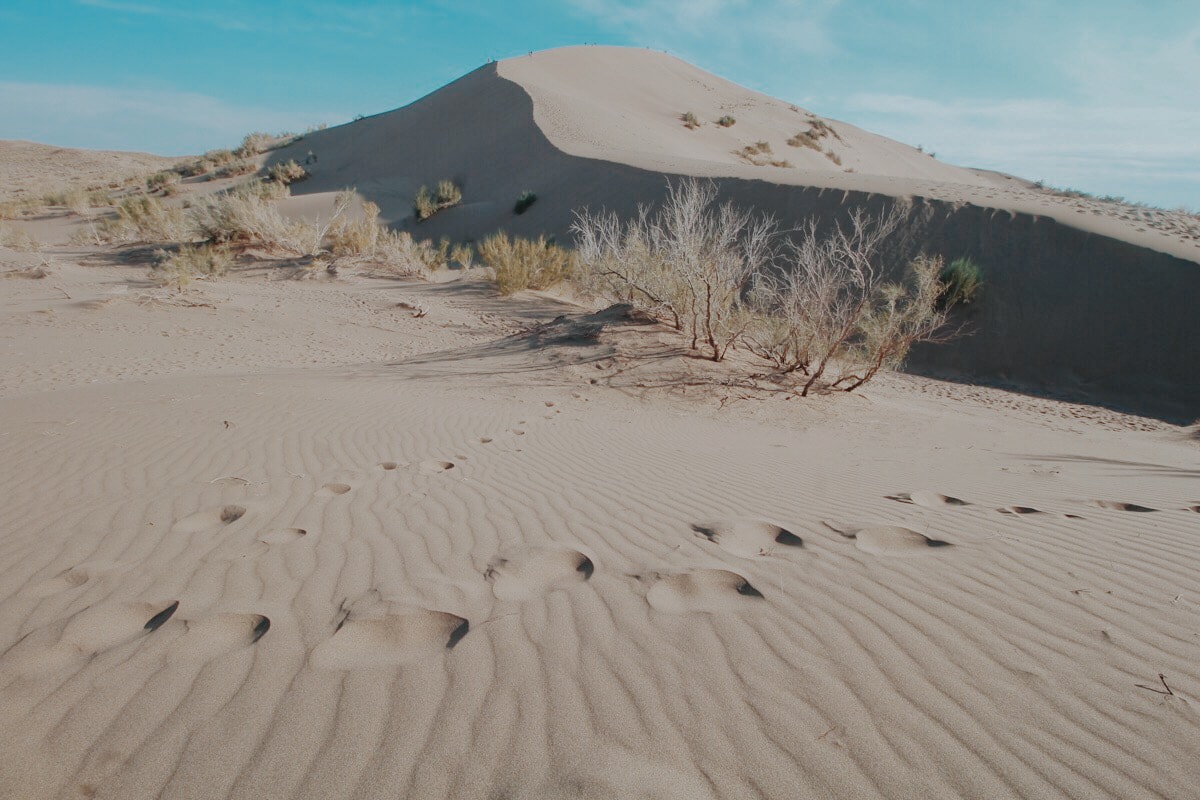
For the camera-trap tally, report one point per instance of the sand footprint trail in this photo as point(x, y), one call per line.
point(528, 572)
point(389, 640)
point(748, 538)
point(711, 591)
point(887, 540)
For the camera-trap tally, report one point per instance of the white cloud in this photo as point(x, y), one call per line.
point(223, 21)
point(137, 119)
point(1149, 152)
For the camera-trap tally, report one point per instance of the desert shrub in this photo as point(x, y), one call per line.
point(689, 120)
point(18, 239)
point(253, 144)
point(427, 203)
point(463, 255)
point(519, 264)
point(398, 252)
point(176, 270)
point(834, 157)
point(99, 198)
point(962, 281)
point(726, 121)
point(287, 172)
point(146, 219)
point(164, 181)
point(356, 237)
point(247, 217)
point(524, 201)
point(233, 170)
point(14, 209)
point(829, 303)
point(690, 262)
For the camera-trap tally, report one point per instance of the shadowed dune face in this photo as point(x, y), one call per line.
point(1063, 307)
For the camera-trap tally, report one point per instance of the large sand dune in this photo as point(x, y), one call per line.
point(1082, 296)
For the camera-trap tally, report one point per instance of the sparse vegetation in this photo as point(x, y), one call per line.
point(287, 172)
point(759, 154)
point(166, 182)
point(18, 239)
point(146, 219)
point(689, 120)
point(426, 204)
point(962, 282)
point(690, 262)
point(177, 270)
point(524, 201)
point(253, 144)
point(249, 218)
point(519, 264)
point(727, 121)
point(356, 237)
point(233, 170)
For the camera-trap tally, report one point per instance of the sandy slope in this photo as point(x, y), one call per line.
point(440, 558)
point(29, 169)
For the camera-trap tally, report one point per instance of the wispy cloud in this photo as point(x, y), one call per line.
point(159, 121)
point(227, 22)
point(1092, 147)
point(725, 27)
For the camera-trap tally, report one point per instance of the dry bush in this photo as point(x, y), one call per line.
point(177, 270)
point(398, 252)
point(287, 172)
point(690, 261)
point(524, 201)
point(145, 219)
point(829, 302)
point(519, 264)
point(234, 170)
point(689, 120)
point(463, 255)
point(18, 239)
point(427, 203)
point(15, 209)
point(166, 182)
point(355, 237)
point(253, 144)
point(727, 121)
point(247, 216)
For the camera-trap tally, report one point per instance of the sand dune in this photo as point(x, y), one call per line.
point(1081, 298)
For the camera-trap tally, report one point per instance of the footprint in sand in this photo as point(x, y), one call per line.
point(1195, 509)
point(887, 540)
point(282, 536)
point(390, 640)
point(76, 576)
point(1114, 505)
point(705, 590)
point(333, 489)
point(91, 631)
point(210, 519)
point(388, 466)
point(485, 440)
point(208, 637)
point(927, 499)
point(748, 538)
point(1020, 511)
point(435, 467)
point(532, 571)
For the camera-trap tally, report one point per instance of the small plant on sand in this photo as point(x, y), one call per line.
point(287, 172)
point(689, 120)
point(519, 264)
point(233, 170)
point(146, 219)
point(356, 237)
point(962, 281)
point(427, 203)
point(524, 201)
point(463, 255)
point(727, 121)
point(253, 144)
point(166, 182)
point(249, 218)
point(177, 270)
point(18, 239)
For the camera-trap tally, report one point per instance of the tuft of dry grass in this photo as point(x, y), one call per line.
point(178, 269)
point(248, 217)
point(689, 120)
point(253, 144)
point(727, 121)
point(427, 203)
point(287, 172)
point(145, 219)
point(519, 264)
point(18, 239)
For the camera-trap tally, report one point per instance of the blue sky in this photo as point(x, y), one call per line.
point(1097, 95)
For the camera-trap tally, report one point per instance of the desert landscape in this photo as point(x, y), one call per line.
point(317, 487)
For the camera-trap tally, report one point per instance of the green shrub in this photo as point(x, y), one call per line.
point(962, 282)
point(524, 201)
point(726, 121)
point(518, 264)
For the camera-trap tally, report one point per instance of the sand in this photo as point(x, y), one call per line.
point(281, 537)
